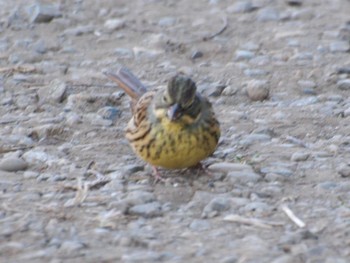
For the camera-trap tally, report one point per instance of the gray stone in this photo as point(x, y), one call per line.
point(303, 14)
point(123, 53)
point(306, 84)
point(147, 210)
point(36, 156)
point(96, 120)
point(244, 55)
point(79, 30)
point(268, 14)
point(211, 89)
point(300, 156)
point(229, 167)
point(344, 69)
point(110, 113)
point(283, 171)
point(71, 246)
point(167, 21)
point(286, 259)
point(241, 7)
point(44, 13)
point(344, 170)
point(141, 256)
point(132, 168)
point(303, 56)
point(254, 138)
point(114, 24)
point(30, 175)
point(199, 225)
point(243, 177)
point(230, 91)
point(13, 164)
point(304, 101)
point(343, 84)
point(139, 197)
point(339, 46)
point(255, 72)
point(294, 2)
point(258, 207)
point(328, 185)
point(230, 259)
point(347, 112)
point(55, 92)
point(196, 54)
point(216, 205)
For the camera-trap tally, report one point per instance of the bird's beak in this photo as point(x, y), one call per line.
point(174, 112)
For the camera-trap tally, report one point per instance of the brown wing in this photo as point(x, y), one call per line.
point(139, 126)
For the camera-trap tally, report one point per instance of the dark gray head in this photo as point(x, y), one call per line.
point(179, 98)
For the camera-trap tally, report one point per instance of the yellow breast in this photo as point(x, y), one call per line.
point(174, 145)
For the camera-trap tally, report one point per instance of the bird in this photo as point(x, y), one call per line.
point(174, 127)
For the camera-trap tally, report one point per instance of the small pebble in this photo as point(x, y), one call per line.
point(148, 210)
point(54, 92)
point(306, 84)
point(339, 46)
point(79, 30)
point(216, 205)
point(44, 13)
point(196, 54)
point(254, 138)
point(283, 171)
point(199, 225)
point(344, 170)
point(243, 177)
point(114, 24)
point(268, 14)
point(70, 246)
point(139, 197)
point(343, 84)
point(241, 7)
point(13, 164)
point(258, 90)
point(294, 2)
point(123, 53)
point(255, 72)
point(300, 156)
point(229, 167)
point(244, 55)
point(167, 21)
point(30, 174)
point(109, 113)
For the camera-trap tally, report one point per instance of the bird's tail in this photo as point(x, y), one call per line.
point(128, 82)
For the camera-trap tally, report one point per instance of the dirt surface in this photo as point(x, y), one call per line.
point(71, 189)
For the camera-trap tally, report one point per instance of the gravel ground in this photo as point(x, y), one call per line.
point(278, 75)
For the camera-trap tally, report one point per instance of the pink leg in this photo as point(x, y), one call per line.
point(157, 175)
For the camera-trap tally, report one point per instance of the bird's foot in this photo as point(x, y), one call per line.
point(157, 175)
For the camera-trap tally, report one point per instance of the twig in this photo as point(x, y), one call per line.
point(81, 194)
point(18, 68)
point(222, 29)
point(251, 221)
point(292, 216)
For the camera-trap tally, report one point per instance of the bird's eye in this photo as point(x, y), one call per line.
point(165, 99)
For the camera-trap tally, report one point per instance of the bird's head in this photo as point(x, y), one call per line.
point(179, 98)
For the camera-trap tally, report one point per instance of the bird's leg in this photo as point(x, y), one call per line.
point(157, 175)
point(201, 168)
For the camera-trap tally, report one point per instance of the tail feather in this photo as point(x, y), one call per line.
point(128, 82)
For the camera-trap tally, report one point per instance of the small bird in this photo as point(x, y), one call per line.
point(173, 128)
